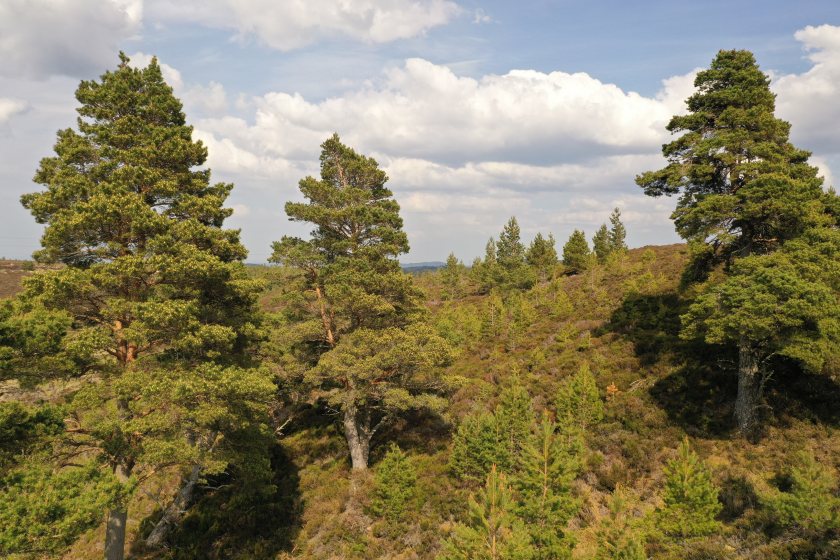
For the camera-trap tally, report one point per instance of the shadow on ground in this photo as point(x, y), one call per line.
point(699, 393)
point(238, 515)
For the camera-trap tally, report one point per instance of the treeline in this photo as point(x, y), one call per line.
point(171, 364)
point(509, 266)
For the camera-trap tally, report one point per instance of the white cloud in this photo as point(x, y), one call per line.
point(810, 100)
point(39, 38)
point(424, 111)
point(10, 107)
point(291, 24)
point(211, 98)
point(480, 16)
point(464, 154)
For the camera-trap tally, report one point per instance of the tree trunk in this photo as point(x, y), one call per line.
point(115, 526)
point(115, 534)
point(358, 433)
point(749, 390)
point(175, 510)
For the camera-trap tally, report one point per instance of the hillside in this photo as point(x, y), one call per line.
point(622, 319)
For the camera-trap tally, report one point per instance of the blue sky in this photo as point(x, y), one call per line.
point(477, 110)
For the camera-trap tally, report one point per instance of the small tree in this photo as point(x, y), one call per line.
point(485, 272)
point(578, 401)
point(484, 439)
point(542, 256)
point(617, 233)
point(450, 277)
point(475, 447)
point(811, 502)
point(576, 253)
point(514, 417)
point(510, 252)
point(620, 535)
point(691, 498)
point(512, 271)
point(492, 531)
point(493, 317)
point(548, 467)
point(601, 244)
point(395, 485)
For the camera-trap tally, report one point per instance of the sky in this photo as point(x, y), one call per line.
point(478, 111)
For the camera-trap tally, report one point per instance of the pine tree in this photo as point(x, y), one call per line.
point(601, 244)
point(492, 531)
point(546, 503)
point(811, 502)
point(578, 401)
point(484, 439)
point(493, 317)
point(373, 356)
point(154, 285)
point(510, 252)
point(617, 233)
point(485, 273)
point(744, 189)
point(620, 536)
point(542, 256)
point(476, 447)
point(786, 302)
point(395, 485)
point(512, 272)
point(691, 498)
point(514, 416)
point(576, 253)
point(450, 276)
point(520, 316)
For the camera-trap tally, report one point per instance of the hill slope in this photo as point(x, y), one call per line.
point(622, 319)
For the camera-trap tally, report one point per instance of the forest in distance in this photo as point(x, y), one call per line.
point(159, 399)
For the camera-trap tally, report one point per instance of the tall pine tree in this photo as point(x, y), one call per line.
point(159, 298)
point(744, 190)
point(362, 341)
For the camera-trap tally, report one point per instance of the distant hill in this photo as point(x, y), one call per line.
point(414, 268)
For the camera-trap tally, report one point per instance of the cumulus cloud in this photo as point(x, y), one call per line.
point(809, 100)
point(559, 150)
point(290, 24)
point(10, 108)
point(425, 111)
point(40, 38)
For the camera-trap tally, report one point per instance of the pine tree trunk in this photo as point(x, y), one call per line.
point(358, 433)
point(115, 534)
point(115, 525)
point(749, 390)
point(175, 511)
